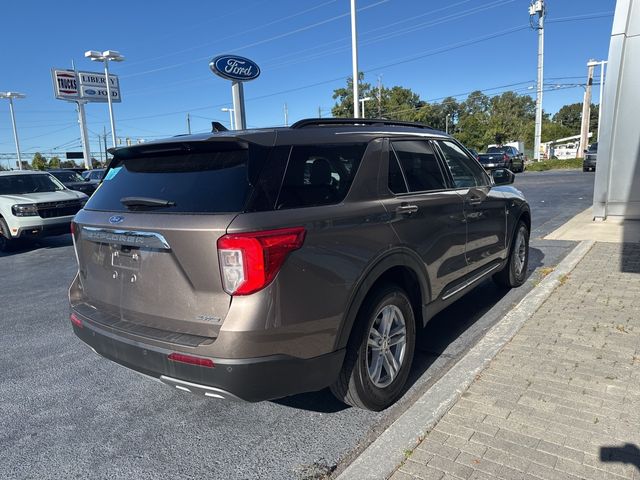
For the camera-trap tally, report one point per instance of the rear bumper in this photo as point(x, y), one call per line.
point(249, 379)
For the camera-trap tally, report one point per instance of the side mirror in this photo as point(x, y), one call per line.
point(585, 151)
point(503, 176)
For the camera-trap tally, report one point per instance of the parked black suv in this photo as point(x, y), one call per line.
point(263, 263)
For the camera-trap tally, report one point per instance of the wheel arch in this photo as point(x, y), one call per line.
point(401, 266)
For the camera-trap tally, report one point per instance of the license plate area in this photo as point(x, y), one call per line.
point(126, 258)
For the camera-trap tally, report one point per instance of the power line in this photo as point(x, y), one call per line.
point(260, 42)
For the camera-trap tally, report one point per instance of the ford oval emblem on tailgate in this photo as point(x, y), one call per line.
point(116, 219)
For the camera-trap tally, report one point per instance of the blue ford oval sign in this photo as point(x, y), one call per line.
point(233, 67)
point(116, 219)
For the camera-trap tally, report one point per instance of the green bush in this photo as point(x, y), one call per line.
point(567, 164)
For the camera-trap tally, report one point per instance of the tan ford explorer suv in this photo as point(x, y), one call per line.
point(256, 264)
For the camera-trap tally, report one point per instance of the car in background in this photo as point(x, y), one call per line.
point(73, 180)
point(93, 176)
point(590, 158)
point(257, 264)
point(502, 157)
point(33, 205)
point(474, 152)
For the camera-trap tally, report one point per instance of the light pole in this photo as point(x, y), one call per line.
point(354, 60)
point(602, 64)
point(446, 123)
point(105, 57)
point(362, 100)
point(11, 96)
point(230, 110)
point(537, 7)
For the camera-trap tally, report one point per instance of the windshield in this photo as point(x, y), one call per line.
point(22, 184)
point(67, 177)
point(496, 149)
point(593, 147)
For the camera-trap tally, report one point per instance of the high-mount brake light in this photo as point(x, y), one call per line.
point(250, 261)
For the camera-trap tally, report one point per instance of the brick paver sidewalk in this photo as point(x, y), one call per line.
point(562, 399)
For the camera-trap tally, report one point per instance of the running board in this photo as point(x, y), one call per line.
point(470, 282)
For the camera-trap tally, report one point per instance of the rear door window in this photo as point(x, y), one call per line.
point(319, 174)
point(420, 166)
point(216, 178)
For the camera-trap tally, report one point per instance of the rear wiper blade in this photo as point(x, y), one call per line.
point(146, 202)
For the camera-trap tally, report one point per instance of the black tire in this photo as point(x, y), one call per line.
point(354, 385)
point(510, 167)
point(585, 169)
point(6, 242)
point(514, 272)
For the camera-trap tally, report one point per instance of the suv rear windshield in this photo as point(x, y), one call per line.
point(23, 184)
point(496, 149)
point(68, 177)
point(189, 180)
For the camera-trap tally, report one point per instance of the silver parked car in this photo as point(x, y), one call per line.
point(257, 264)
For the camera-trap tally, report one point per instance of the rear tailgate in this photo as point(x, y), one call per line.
point(146, 266)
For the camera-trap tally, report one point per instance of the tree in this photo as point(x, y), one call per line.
point(38, 162)
point(344, 96)
point(95, 163)
point(509, 117)
point(570, 116)
point(68, 164)
point(54, 162)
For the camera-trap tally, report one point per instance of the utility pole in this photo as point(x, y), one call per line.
point(379, 96)
point(537, 7)
point(188, 124)
point(354, 61)
point(319, 112)
point(586, 111)
point(286, 115)
point(103, 160)
point(104, 137)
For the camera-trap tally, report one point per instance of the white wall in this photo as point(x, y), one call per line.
point(617, 183)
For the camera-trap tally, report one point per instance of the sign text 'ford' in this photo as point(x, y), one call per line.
point(233, 67)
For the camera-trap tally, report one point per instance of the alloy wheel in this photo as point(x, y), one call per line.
point(386, 346)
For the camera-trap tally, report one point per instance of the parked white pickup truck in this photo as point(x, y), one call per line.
point(35, 204)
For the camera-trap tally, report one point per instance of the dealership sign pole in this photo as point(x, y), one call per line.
point(238, 70)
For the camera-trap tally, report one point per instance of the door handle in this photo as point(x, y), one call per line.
point(474, 201)
point(406, 209)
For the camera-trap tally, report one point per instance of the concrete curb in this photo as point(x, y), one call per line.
point(380, 459)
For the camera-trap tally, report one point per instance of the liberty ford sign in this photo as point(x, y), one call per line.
point(233, 67)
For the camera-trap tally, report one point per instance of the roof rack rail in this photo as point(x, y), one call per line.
point(319, 122)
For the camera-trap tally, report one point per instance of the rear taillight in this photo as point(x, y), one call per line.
point(250, 261)
point(76, 320)
point(505, 158)
point(190, 359)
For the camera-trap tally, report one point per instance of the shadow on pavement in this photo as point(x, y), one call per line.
point(627, 453)
point(47, 242)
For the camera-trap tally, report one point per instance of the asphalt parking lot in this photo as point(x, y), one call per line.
point(66, 413)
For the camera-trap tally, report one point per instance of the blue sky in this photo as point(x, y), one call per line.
point(435, 47)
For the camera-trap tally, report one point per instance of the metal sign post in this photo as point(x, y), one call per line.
point(237, 91)
point(85, 136)
point(238, 70)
